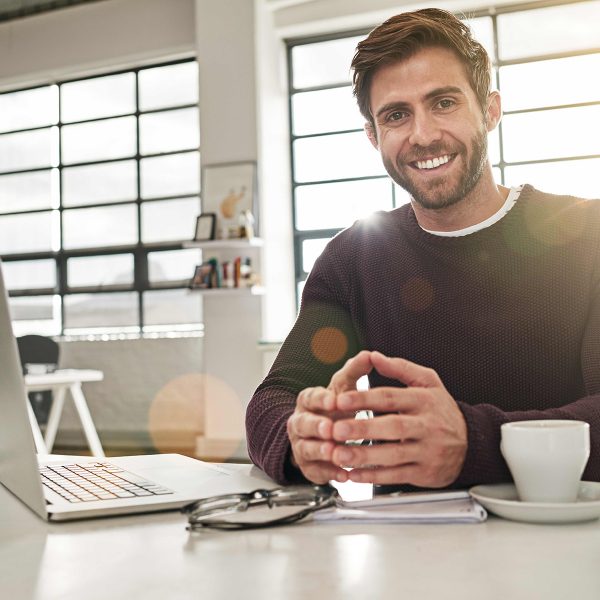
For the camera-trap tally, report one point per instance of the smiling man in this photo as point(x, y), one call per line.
point(432, 133)
point(472, 306)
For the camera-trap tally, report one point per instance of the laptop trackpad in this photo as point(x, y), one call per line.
point(187, 475)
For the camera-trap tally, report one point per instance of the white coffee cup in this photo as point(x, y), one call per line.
point(546, 458)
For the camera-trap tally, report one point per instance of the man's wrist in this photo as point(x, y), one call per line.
point(291, 470)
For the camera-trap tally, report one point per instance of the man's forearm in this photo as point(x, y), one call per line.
point(484, 462)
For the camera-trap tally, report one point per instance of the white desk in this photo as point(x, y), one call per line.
point(59, 382)
point(153, 557)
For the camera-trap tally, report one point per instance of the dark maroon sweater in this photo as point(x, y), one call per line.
point(508, 316)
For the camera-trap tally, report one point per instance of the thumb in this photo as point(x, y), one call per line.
point(345, 379)
point(403, 370)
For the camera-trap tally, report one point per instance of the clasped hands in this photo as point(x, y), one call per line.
point(422, 432)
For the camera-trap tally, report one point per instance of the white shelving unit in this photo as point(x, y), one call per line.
point(233, 361)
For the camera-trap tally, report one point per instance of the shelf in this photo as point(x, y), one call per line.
point(255, 290)
point(225, 244)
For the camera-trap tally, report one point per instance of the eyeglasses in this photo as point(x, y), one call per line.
point(260, 508)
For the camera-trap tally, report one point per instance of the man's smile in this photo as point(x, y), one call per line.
point(430, 165)
point(433, 163)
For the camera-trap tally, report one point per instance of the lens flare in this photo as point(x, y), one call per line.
point(329, 345)
point(198, 415)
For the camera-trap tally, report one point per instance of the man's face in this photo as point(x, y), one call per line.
point(429, 127)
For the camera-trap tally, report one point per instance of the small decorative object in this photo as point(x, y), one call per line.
point(205, 227)
point(229, 190)
point(246, 224)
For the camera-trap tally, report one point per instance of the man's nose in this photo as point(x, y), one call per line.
point(424, 130)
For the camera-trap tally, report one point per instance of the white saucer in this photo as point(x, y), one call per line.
point(502, 500)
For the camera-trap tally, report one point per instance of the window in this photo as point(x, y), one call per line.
point(99, 187)
point(551, 104)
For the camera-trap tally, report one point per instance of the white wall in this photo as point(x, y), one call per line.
point(150, 396)
point(274, 175)
point(84, 39)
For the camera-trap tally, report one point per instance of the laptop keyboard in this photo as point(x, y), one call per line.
point(97, 481)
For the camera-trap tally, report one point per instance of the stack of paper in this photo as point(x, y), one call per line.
point(436, 507)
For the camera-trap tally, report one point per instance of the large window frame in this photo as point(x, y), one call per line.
point(139, 249)
point(500, 165)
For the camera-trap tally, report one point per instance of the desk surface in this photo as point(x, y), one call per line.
point(154, 557)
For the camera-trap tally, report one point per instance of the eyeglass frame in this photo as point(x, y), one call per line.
point(315, 497)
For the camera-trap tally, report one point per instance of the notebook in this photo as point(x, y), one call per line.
point(54, 488)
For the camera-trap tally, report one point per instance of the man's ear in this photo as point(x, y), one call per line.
point(494, 111)
point(370, 131)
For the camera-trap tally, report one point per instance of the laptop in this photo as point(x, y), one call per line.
point(62, 489)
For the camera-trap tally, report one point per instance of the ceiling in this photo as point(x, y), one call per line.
point(16, 9)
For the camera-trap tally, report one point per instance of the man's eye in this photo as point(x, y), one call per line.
point(446, 103)
point(397, 115)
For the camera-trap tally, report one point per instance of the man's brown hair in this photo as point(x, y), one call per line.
point(402, 36)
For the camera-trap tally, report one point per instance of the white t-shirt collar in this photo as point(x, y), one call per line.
point(508, 204)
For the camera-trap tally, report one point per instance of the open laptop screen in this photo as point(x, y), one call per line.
point(18, 462)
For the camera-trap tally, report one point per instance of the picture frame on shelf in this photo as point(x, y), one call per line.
point(229, 191)
point(203, 276)
point(205, 227)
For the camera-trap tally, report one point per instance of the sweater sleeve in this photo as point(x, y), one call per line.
point(322, 339)
point(484, 462)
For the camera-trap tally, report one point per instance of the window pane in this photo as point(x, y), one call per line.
point(98, 227)
point(337, 156)
point(332, 205)
point(551, 134)
point(98, 97)
point(39, 228)
point(101, 310)
point(325, 110)
point(28, 191)
point(172, 265)
point(170, 175)
point(573, 177)
point(169, 131)
point(548, 30)
point(94, 184)
point(29, 108)
point(483, 31)
point(114, 138)
point(324, 62)
point(494, 146)
point(172, 85)
point(30, 274)
point(311, 250)
point(168, 307)
point(28, 150)
point(101, 271)
point(169, 220)
point(37, 314)
point(569, 80)
point(401, 196)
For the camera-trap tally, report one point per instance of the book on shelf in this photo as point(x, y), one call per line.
point(213, 274)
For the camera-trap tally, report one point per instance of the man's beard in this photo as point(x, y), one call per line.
point(437, 194)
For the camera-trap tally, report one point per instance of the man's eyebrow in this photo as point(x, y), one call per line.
point(449, 89)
